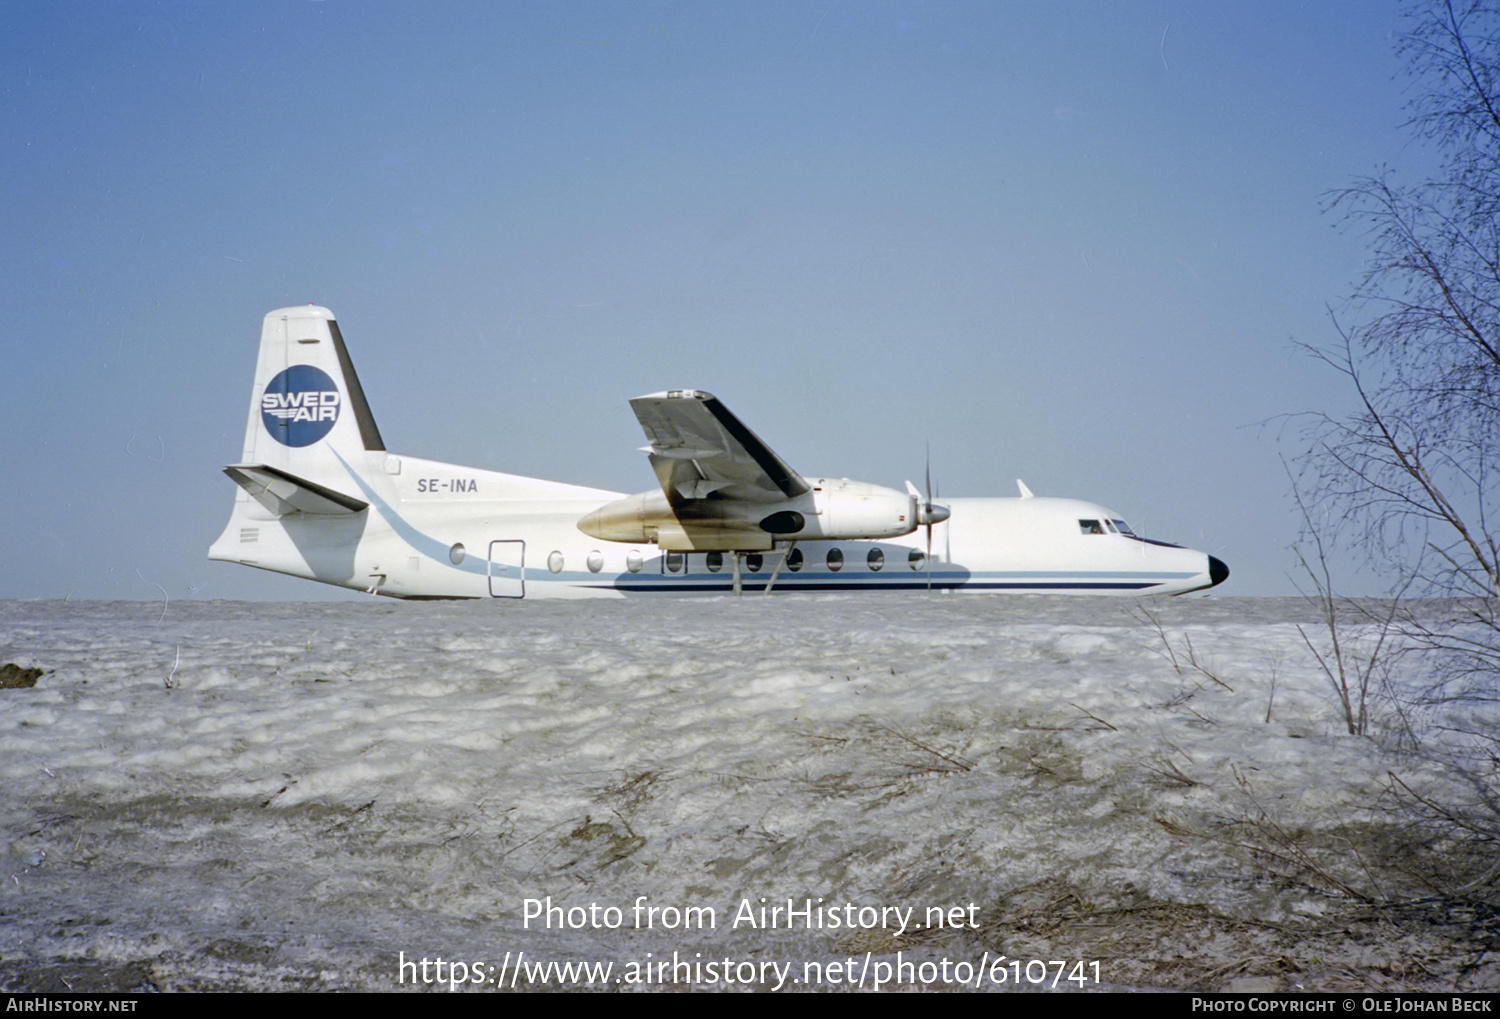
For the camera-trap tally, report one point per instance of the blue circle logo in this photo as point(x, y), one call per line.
point(300, 405)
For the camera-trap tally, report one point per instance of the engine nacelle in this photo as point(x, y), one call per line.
point(847, 510)
point(833, 510)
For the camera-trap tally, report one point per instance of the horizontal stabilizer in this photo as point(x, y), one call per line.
point(284, 493)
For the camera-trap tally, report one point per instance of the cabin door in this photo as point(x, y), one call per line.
point(507, 569)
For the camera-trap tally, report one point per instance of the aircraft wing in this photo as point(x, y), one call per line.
point(700, 450)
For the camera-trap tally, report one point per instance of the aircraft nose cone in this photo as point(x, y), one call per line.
point(1217, 571)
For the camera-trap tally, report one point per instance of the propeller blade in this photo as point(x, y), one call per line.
point(926, 511)
point(928, 561)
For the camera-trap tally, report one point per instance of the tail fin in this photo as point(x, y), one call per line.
point(307, 403)
point(309, 444)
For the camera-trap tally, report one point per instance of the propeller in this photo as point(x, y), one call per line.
point(927, 513)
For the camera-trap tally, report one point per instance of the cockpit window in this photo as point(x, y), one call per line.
point(1124, 528)
point(1090, 527)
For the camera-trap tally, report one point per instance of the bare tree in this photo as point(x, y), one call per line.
point(1411, 475)
point(1409, 478)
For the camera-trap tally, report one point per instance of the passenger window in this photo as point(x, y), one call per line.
point(794, 561)
point(753, 562)
point(555, 562)
point(835, 560)
point(916, 558)
point(714, 561)
point(674, 562)
point(875, 560)
point(596, 561)
point(1090, 527)
point(633, 561)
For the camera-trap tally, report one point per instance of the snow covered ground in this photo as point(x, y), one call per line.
point(931, 789)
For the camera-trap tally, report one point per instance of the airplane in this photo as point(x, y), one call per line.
point(320, 497)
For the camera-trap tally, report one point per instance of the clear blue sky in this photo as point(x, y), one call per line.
point(1066, 242)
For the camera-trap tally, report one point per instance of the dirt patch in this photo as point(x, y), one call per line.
point(16, 677)
point(1427, 946)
